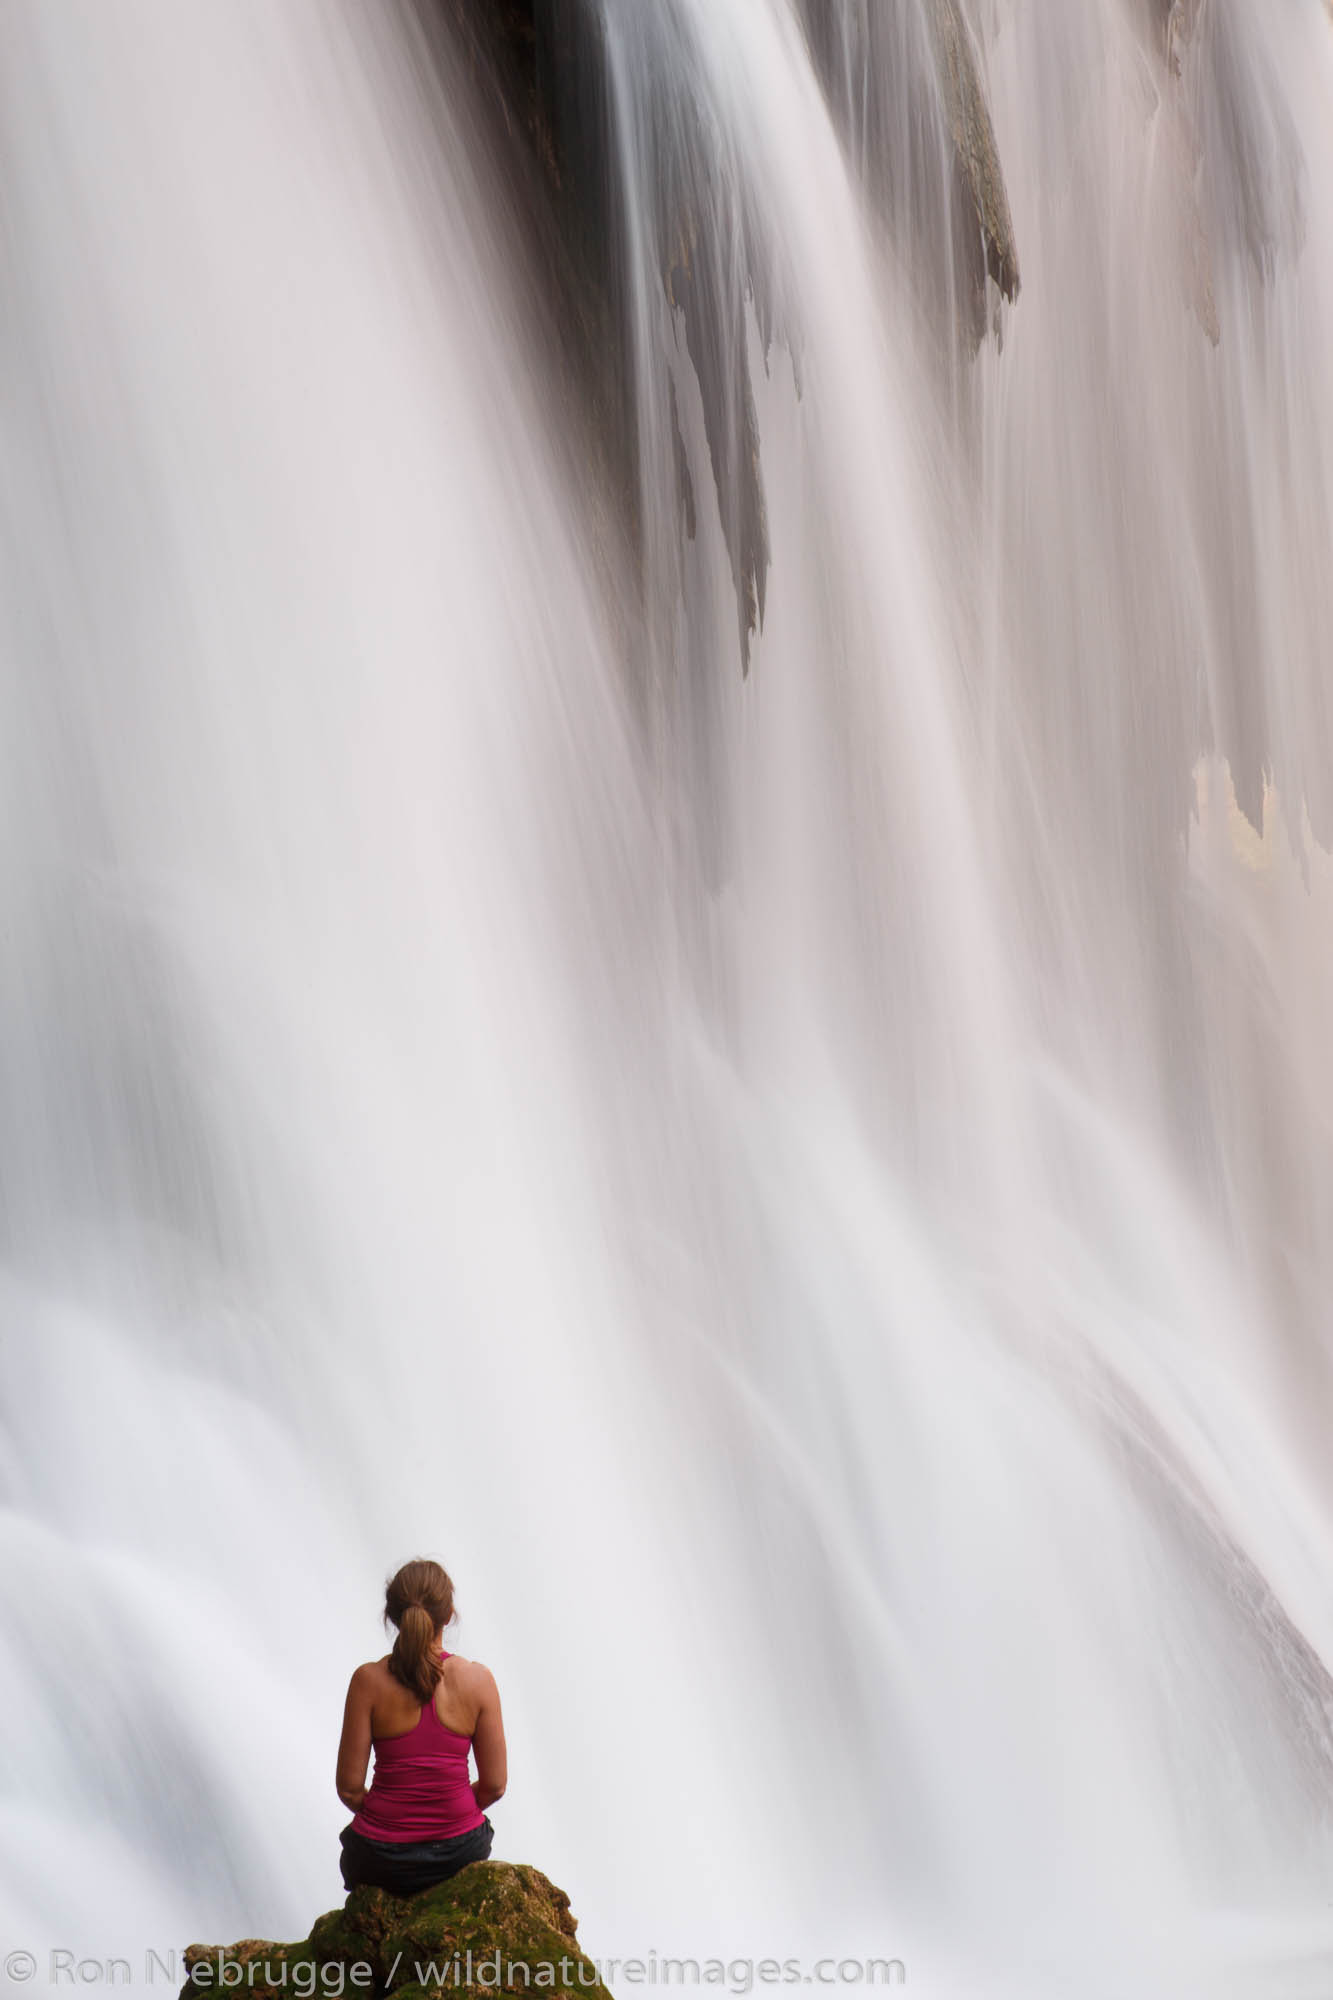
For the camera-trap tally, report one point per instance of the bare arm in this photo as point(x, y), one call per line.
point(488, 1743)
point(354, 1749)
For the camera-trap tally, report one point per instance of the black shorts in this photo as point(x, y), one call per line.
point(405, 1866)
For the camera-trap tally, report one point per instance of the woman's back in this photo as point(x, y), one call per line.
point(420, 1789)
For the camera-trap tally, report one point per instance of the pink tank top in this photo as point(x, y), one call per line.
point(420, 1789)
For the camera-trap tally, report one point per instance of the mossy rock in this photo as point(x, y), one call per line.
point(493, 1928)
point(266, 1969)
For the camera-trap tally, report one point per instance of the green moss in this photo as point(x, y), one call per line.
point(494, 1928)
point(263, 1966)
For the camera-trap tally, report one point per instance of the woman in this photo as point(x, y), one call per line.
point(421, 1710)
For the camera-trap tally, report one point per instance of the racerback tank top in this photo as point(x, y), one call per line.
point(420, 1789)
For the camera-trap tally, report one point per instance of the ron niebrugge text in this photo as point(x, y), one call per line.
point(220, 1972)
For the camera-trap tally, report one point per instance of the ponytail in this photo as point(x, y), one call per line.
point(419, 1600)
point(414, 1660)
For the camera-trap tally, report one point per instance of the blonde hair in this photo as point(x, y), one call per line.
point(419, 1600)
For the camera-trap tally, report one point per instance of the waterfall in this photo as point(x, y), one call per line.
point(691, 972)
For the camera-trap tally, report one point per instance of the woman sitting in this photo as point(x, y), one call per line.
point(421, 1710)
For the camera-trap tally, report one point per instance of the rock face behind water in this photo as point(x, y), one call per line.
point(506, 1917)
point(975, 150)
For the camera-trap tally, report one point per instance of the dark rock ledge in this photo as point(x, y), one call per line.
point(494, 1929)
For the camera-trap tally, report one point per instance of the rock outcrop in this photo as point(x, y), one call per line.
point(906, 89)
point(494, 1928)
point(973, 135)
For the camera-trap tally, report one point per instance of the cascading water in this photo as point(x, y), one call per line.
point(809, 1186)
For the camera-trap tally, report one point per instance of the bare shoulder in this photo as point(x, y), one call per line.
point(368, 1676)
point(473, 1676)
